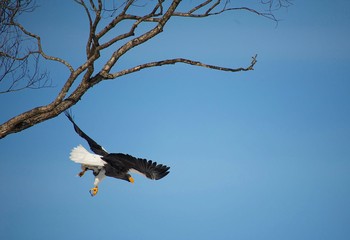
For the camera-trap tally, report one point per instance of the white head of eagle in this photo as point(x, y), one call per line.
point(117, 165)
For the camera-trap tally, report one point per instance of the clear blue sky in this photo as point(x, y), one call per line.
point(257, 155)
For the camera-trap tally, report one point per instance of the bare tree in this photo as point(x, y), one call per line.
point(16, 56)
point(21, 49)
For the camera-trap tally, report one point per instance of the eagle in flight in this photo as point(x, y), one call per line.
point(117, 165)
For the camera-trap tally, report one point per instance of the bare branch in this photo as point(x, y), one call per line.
point(19, 69)
point(141, 39)
point(15, 71)
point(40, 50)
point(212, 10)
point(88, 44)
point(199, 6)
point(211, 13)
point(131, 32)
point(276, 4)
point(19, 54)
point(18, 46)
point(180, 60)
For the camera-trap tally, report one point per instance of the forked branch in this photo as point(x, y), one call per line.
point(153, 20)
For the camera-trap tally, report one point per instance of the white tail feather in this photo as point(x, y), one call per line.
point(80, 155)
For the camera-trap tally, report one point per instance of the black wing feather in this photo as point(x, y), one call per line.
point(94, 146)
point(150, 169)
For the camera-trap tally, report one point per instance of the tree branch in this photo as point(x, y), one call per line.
point(40, 50)
point(11, 81)
point(272, 6)
point(180, 60)
point(155, 12)
point(210, 13)
point(124, 16)
point(139, 40)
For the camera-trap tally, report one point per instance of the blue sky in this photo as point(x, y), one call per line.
point(255, 155)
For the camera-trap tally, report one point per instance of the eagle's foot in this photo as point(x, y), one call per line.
point(93, 191)
point(82, 173)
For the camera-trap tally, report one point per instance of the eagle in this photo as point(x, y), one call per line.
point(117, 165)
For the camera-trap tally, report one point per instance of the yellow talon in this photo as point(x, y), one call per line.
point(93, 191)
point(131, 180)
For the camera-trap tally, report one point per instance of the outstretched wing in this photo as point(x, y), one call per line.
point(129, 163)
point(95, 147)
